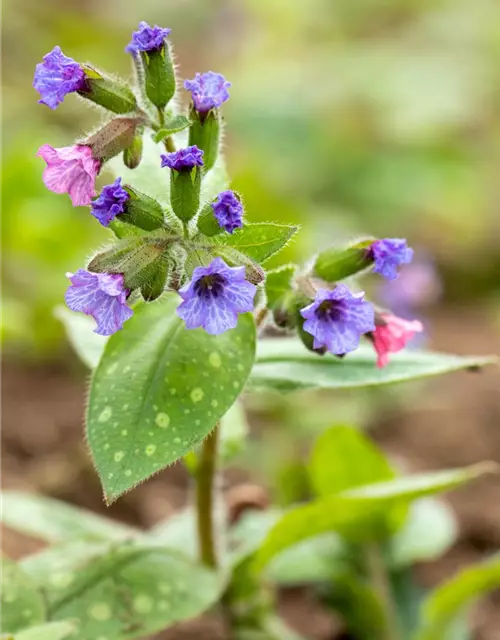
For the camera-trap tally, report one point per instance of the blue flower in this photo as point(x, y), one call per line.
point(110, 203)
point(57, 76)
point(215, 296)
point(228, 210)
point(208, 90)
point(147, 38)
point(337, 319)
point(388, 254)
point(184, 159)
point(102, 296)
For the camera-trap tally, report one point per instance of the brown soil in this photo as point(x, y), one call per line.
point(456, 422)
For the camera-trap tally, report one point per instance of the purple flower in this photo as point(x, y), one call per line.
point(215, 296)
point(147, 38)
point(57, 76)
point(184, 159)
point(102, 296)
point(110, 203)
point(228, 210)
point(71, 170)
point(388, 254)
point(337, 319)
point(208, 90)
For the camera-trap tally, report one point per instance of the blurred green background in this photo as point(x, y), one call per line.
point(349, 117)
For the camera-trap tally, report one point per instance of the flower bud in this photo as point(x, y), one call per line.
point(155, 285)
point(159, 78)
point(107, 92)
point(113, 138)
point(204, 132)
point(336, 263)
point(132, 155)
point(185, 180)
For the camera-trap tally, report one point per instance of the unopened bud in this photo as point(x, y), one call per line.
point(207, 222)
point(132, 155)
point(281, 297)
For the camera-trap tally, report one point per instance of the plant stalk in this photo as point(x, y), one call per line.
point(205, 476)
point(380, 582)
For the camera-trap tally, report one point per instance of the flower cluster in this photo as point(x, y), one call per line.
point(57, 76)
point(228, 211)
point(147, 38)
point(184, 159)
point(214, 294)
point(110, 203)
point(208, 90)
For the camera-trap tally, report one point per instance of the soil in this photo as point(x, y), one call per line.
point(455, 422)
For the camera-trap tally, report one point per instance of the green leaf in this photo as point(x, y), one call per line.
point(89, 346)
point(344, 458)
point(356, 514)
point(278, 283)
point(259, 241)
point(430, 530)
point(359, 606)
point(159, 390)
point(55, 521)
point(285, 365)
point(132, 592)
point(22, 604)
point(49, 631)
point(173, 125)
point(449, 601)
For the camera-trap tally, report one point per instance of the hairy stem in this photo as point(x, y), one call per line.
point(380, 582)
point(205, 476)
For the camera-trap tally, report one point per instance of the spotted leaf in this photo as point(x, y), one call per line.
point(22, 604)
point(131, 592)
point(159, 390)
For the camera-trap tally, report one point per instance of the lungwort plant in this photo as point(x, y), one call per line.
point(176, 301)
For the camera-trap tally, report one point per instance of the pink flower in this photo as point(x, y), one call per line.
point(71, 170)
point(392, 335)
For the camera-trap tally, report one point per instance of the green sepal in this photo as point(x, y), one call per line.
point(113, 138)
point(254, 273)
point(171, 126)
point(142, 211)
point(207, 222)
point(138, 259)
point(185, 192)
point(132, 155)
point(155, 286)
point(204, 132)
point(337, 263)
point(281, 296)
point(159, 76)
point(107, 92)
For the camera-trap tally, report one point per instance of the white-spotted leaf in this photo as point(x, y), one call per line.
point(132, 592)
point(159, 390)
point(22, 603)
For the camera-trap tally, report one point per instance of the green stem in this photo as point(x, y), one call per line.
point(205, 475)
point(161, 117)
point(380, 582)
